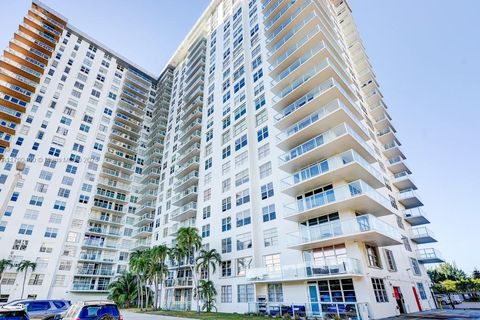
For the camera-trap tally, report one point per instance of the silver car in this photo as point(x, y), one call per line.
point(93, 310)
point(42, 309)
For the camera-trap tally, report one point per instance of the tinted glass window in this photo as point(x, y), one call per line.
point(92, 312)
point(59, 304)
point(38, 306)
point(13, 315)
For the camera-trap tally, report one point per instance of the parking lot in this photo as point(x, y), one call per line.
point(466, 310)
point(139, 316)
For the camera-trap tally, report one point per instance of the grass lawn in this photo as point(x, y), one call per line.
point(203, 315)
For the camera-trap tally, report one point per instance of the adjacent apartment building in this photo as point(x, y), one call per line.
point(266, 131)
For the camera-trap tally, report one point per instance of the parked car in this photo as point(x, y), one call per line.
point(13, 313)
point(444, 300)
point(92, 310)
point(42, 309)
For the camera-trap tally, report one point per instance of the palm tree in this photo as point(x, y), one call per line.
point(188, 242)
point(207, 293)
point(4, 265)
point(23, 267)
point(124, 290)
point(208, 259)
point(159, 269)
point(138, 264)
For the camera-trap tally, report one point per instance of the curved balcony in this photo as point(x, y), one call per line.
point(422, 235)
point(346, 267)
point(185, 212)
point(327, 144)
point(397, 164)
point(415, 217)
point(143, 232)
point(392, 149)
point(319, 121)
point(403, 180)
point(320, 95)
point(429, 255)
point(187, 181)
point(409, 199)
point(348, 166)
point(357, 196)
point(365, 228)
point(186, 196)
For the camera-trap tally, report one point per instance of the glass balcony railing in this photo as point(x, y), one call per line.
point(429, 255)
point(335, 195)
point(307, 270)
point(322, 139)
point(329, 165)
point(279, 44)
point(318, 115)
point(339, 228)
point(421, 233)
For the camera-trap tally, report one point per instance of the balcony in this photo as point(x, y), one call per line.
point(145, 219)
point(392, 149)
point(429, 255)
point(386, 135)
point(184, 224)
point(318, 122)
point(146, 208)
point(348, 166)
point(186, 196)
point(397, 164)
point(99, 244)
point(416, 217)
point(409, 199)
point(185, 212)
point(422, 235)
point(327, 144)
point(403, 181)
point(188, 166)
point(96, 272)
point(141, 244)
point(308, 82)
point(365, 228)
point(346, 267)
point(87, 288)
point(143, 232)
point(357, 195)
point(96, 258)
point(187, 181)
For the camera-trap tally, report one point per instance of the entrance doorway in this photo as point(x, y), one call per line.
point(399, 297)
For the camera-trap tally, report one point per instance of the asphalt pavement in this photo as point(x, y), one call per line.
point(142, 316)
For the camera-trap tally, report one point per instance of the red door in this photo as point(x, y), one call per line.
point(419, 305)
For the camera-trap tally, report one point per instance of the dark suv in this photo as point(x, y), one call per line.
point(93, 310)
point(42, 309)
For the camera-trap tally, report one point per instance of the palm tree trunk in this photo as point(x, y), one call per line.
point(146, 294)
point(195, 286)
point(23, 286)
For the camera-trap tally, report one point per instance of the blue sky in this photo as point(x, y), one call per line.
point(426, 58)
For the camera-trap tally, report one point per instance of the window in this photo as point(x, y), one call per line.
point(226, 268)
point(20, 245)
point(243, 218)
point(275, 292)
point(242, 197)
point(226, 224)
point(241, 142)
point(262, 134)
point(226, 245)
point(225, 294)
point(244, 241)
point(421, 291)
point(241, 178)
point(243, 264)
point(391, 265)
point(226, 204)
point(36, 280)
point(372, 255)
point(406, 244)
point(268, 213)
point(207, 212)
point(36, 201)
point(415, 267)
point(205, 231)
point(270, 237)
point(226, 152)
point(245, 293)
point(379, 290)
point(241, 159)
point(51, 233)
point(26, 229)
point(267, 190)
point(265, 170)
point(263, 151)
point(272, 262)
point(226, 184)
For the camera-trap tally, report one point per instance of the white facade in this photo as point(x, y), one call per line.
point(267, 131)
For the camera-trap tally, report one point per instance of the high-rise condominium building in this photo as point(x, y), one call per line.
point(266, 131)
